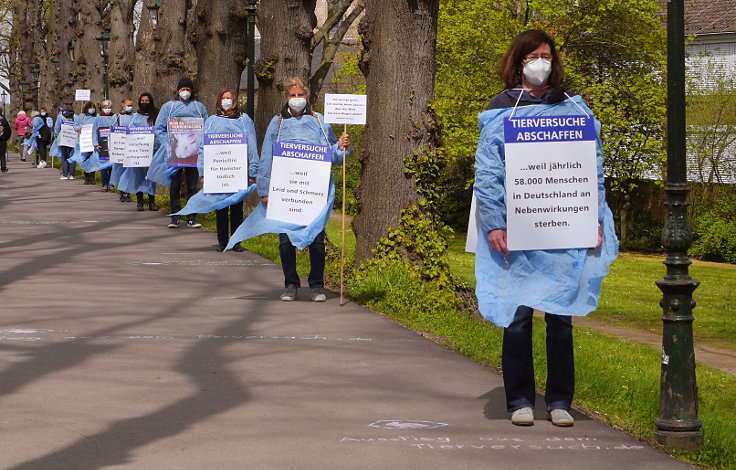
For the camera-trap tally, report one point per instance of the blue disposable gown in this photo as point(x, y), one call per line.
point(117, 168)
point(94, 163)
point(37, 123)
point(159, 171)
point(202, 203)
point(55, 151)
point(79, 121)
point(133, 179)
point(561, 282)
point(303, 129)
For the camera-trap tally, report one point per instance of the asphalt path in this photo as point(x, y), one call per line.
point(127, 345)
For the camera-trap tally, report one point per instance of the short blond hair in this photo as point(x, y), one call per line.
point(290, 83)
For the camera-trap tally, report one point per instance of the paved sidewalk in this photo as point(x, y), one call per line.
point(127, 345)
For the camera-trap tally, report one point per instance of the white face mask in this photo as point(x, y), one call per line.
point(185, 94)
point(537, 71)
point(106, 111)
point(297, 104)
point(226, 104)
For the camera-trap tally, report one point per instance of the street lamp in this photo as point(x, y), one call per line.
point(24, 88)
point(251, 51)
point(70, 50)
point(103, 41)
point(36, 75)
point(153, 12)
point(678, 424)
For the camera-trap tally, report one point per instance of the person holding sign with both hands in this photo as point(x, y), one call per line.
point(302, 139)
point(559, 279)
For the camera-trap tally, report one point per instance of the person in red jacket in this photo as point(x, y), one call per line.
point(22, 124)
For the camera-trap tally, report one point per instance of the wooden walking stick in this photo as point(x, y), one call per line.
point(342, 250)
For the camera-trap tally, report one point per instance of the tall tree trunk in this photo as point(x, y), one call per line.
point(121, 51)
point(61, 33)
point(88, 66)
point(166, 54)
point(287, 27)
point(398, 61)
point(220, 43)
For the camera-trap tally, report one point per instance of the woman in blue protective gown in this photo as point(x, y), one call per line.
point(65, 153)
point(229, 119)
point(511, 284)
point(87, 117)
point(297, 123)
point(133, 179)
point(123, 119)
point(100, 158)
point(183, 105)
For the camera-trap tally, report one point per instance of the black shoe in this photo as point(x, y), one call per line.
point(220, 247)
point(140, 207)
point(174, 222)
point(152, 206)
point(237, 247)
point(122, 198)
point(192, 223)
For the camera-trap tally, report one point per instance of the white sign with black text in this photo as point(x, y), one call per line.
point(225, 162)
point(85, 139)
point(346, 109)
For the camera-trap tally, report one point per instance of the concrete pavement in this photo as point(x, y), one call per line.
point(127, 345)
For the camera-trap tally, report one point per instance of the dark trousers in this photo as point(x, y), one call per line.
point(105, 176)
point(287, 251)
point(518, 362)
point(67, 167)
point(3, 155)
point(191, 176)
point(40, 150)
point(228, 220)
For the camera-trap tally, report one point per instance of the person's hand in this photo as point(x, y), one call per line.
point(600, 239)
point(497, 240)
point(201, 180)
point(344, 141)
point(264, 199)
point(251, 181)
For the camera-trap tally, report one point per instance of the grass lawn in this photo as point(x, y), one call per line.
point(630, 298)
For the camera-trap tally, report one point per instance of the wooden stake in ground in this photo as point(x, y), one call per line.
point(342, 249)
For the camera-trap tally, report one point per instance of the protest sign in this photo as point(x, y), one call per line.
point(83, 95)
point(85, 139)
point(551, 182)
point(225, 162)
point(118, 143)
point(67, 134)
point(300, 182)
point(184, 135)
point(103, 136)
point(345, 109)
point(139, 148)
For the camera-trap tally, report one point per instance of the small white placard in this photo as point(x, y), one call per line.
point(140, 145)
point(471, 238)
point(225, 162)
point(85, 139)
point(346, 109)
point(117, 144)
point(551, 182)
point(300, 182)
point(83, 95)
point(67, 134)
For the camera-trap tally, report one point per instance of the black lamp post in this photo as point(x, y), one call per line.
point(70, 50)
point(153, 12)
point(678, 424)
point(36, 75)
point(24, 88)
point(103, 41)
point(251, 51)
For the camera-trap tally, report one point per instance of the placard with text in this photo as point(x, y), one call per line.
point(300, 182)
point(345, 109)
point(103, 139)
point(117, 144)
point(551, 182)
point(139, 146)
point(67, 135)
point(225, 162)
point(85, 139)
point(184, 136)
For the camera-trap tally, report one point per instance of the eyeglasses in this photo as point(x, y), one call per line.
point(532, 57)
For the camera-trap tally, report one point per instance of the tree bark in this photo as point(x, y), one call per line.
point(398, 61)
point(87, 71)
point(220, 42)
point(61, 32)
point(166, 54)
point(287, 27)
point(121, 51)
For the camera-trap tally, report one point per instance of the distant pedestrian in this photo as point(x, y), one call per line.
point(5, 133)
point(22, 124)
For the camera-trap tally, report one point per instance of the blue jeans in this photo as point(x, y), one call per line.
point(105, 176)
point(67, 167)
point(518, 362)
point(287, 251)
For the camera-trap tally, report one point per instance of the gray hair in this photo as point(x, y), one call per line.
point(106, 103)
point(290, 83)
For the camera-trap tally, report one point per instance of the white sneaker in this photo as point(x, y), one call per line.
point(63, 177)
point(523, 417)
point(560, 418)
point(41, 164)
point(70, 177)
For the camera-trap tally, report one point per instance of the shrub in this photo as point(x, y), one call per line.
point(715, 239)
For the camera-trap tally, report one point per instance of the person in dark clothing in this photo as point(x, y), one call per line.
point(5, 133)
